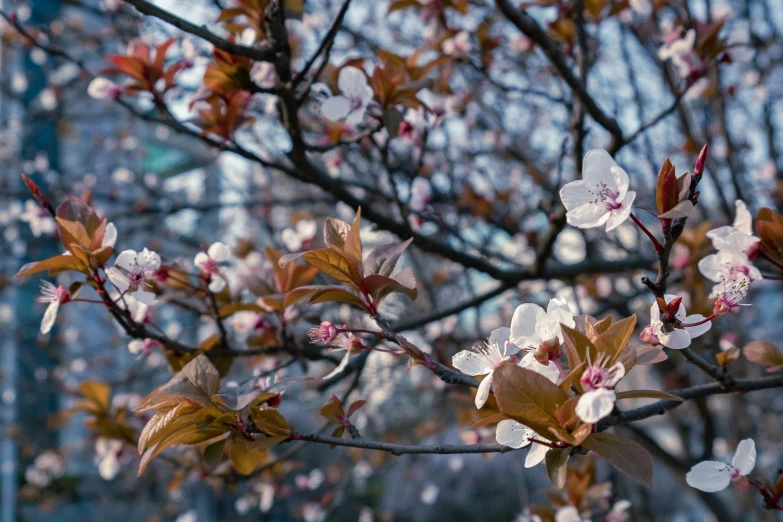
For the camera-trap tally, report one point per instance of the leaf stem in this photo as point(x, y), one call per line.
point(655, 242)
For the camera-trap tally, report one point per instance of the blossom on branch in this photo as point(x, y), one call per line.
point(711, 476)
point(667, 334)
point(599, 397)
point(601, 197)
point(483, 360)
point(209, 265)
point(738, 236)
point(131, 271)
point(727, 265)
point(55, 297)
point(351, 104)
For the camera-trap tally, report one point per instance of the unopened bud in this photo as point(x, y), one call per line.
point(648, 337)
point(698, 170)
point(672, 307)
point(35, 190)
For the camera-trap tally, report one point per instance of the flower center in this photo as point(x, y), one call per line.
point(594, 378)
point(356, 103)
point(210, 267)
point(736, 270)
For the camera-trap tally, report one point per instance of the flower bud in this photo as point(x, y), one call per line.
point(648, 337)
point(698, 170)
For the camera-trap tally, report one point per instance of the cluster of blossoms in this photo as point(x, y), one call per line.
point(732, 265)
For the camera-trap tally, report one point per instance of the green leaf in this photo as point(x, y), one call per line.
point(557, 466)
point(528, 397)
point(626, 455)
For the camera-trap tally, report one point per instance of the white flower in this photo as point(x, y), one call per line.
point(677, 338)
point(352, 104)
point(598, 383)
point(139, 346)
point(188, 516)
point(39, 219)
point(313, 512)
point(299, 236)
point(601, 197)
point(531, 325)
point(483, 360)
point(526, 516)
point(569, 514)
point(421, 195)
point(711, 476)
point(730, 299)
point(619, 512)
point(725, 266)
point(55, 296)
point(642, 7)
point(457, 46)
point(516, 435)
point(208, 263)
point(137, 309)
point(738, 236)
point(131, 271)
point(681, 53)
point(101, 88)
point(107, 457)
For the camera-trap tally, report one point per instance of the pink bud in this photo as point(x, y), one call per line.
point(698, 170)
point(648, 337)
point(326, 333)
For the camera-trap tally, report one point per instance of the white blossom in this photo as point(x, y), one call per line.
point(351, 104)
point(107, 457)
point(300, 235)
point(101, 88)
point(598, 383)
point(209, 265)
point(569, 514)
point(601, 197)
point(680, 51)
point(39, 219)
point(711, 476)
point(457, 46)
point(131, 271)
point(54, 296)
point(483, 360)
point(677, 338)
point(727, 265)
point(739, 235)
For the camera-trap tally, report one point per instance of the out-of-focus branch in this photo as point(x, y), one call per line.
point(403, 449)
point(259, 53)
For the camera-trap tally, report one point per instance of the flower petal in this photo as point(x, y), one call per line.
point(340, 367)
point(470, 362)
point(597, 166)
point(595, 405)
point(549, 371)
point(512, 434)
point(620, 216)
point(352, 82)
point(535, 455)
point(118, 279)
point(335, 108)
point(50, 316)
point(589, 215)
point(109, 236)
point(695, 331)
point(126, 259)
point(676, 340)
point(219, 252)
point(745, 458)
point(200, 260)
point(217, 284)
point(709, 476)
point(523, 324)
point(483, 390)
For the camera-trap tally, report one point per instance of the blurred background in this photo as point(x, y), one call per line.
point(478, 173)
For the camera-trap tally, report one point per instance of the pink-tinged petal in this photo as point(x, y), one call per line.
point(49, 317)
point(568, 514)
point(470, 362)
point(589, 215)
point(754, 273)
point(501, 336)
point(595, 405)
point(118, 279)
point(709, 476)
point(620, 216)
point(745, 458)
point(512, 434)
point(676, 339)
point(536, 454)
point(719, 233)
point(483, 391)
point(335, 108)
point(148, 260)
point(200, 260)
point(524, 321)
point(352, 82)
point(136, 346)
point(696, 331)
point(126, 259)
